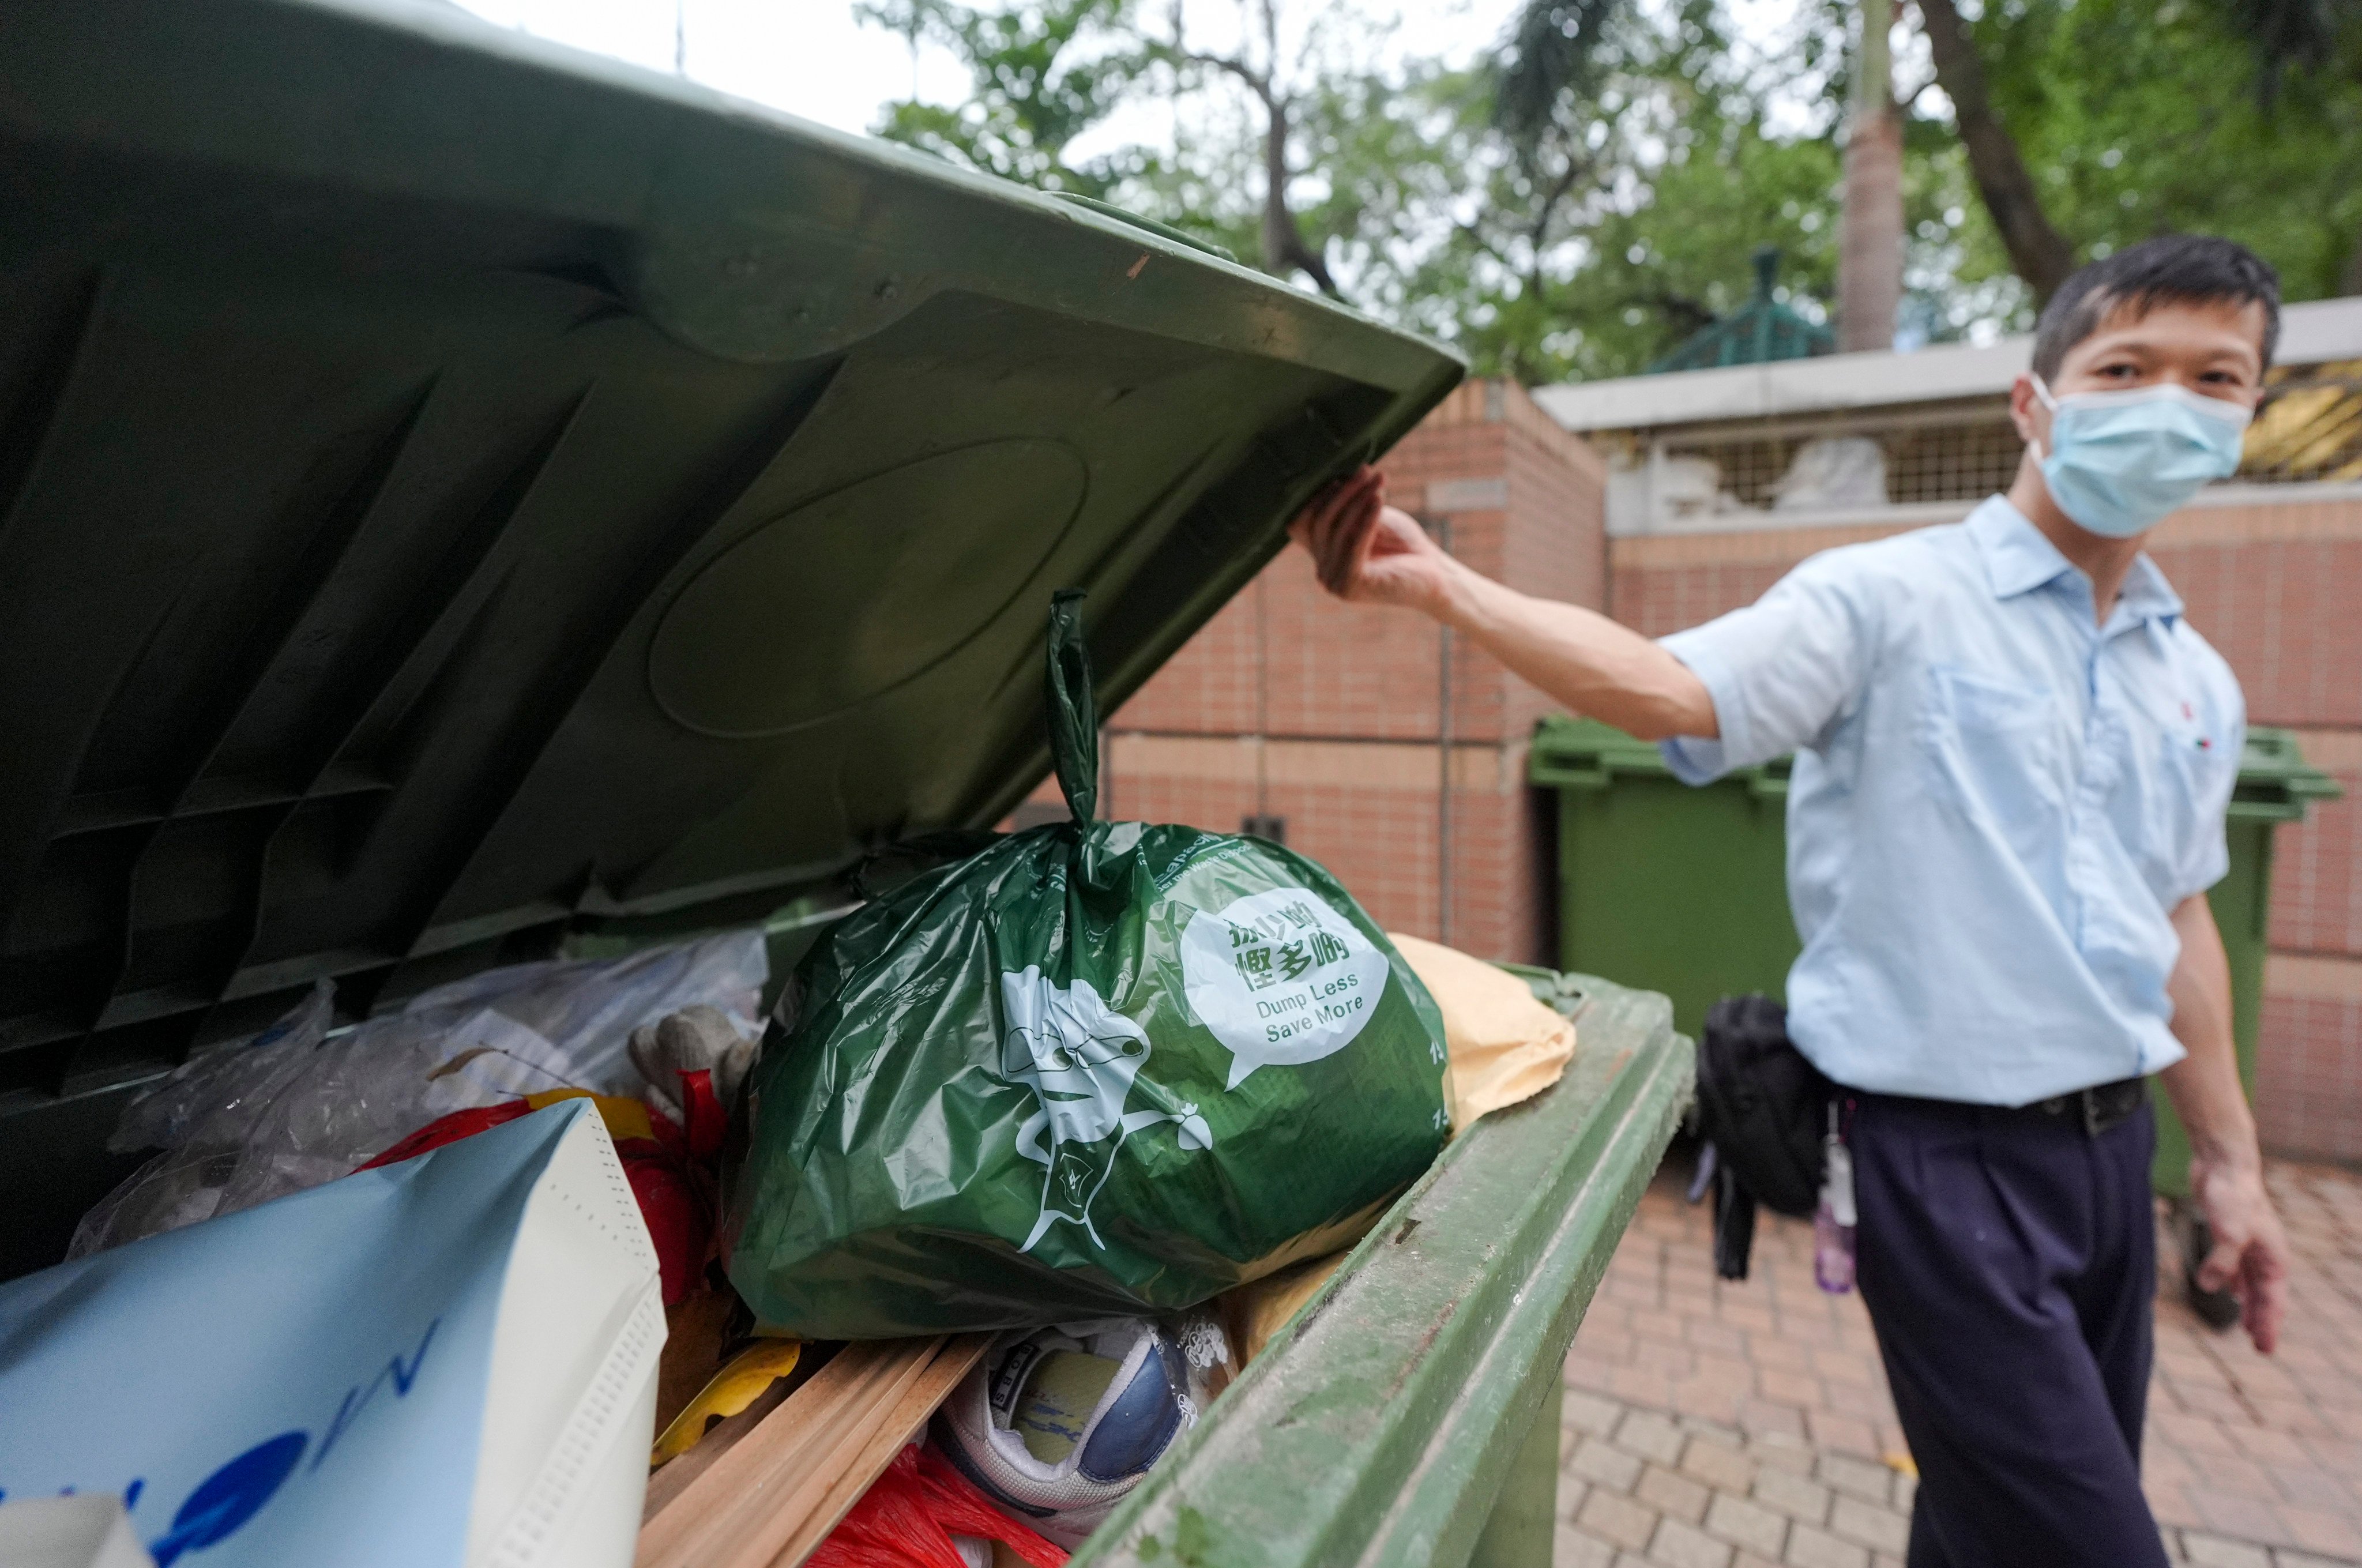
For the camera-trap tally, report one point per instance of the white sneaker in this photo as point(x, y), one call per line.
point(1056, 1425)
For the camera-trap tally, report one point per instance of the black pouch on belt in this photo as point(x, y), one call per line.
point(1764, 1108)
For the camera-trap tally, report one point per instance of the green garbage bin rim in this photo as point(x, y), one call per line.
point(2276, 784)
point(1586, 754)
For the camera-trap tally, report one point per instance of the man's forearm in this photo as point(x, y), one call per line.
point(1580, 657)
point(2204, 1084)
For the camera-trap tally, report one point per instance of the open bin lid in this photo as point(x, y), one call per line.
point(453, 487)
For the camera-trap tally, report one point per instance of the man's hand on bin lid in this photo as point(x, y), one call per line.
point(1368, 552)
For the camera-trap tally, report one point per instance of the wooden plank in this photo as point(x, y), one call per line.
point(720, 1439)
point(768, 1498)
point(741, 1495)
point(899, 1424)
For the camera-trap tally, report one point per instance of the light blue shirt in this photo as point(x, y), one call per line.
point(1997, 802)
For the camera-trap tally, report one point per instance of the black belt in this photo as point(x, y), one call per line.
point(2099, 1107)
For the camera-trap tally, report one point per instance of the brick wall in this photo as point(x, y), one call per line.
point(1290, 704)
point(2309, 1064)
point(2277, 586)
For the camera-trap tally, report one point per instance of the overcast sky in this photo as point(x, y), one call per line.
point(811, 57)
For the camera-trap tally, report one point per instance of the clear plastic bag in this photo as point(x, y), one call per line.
point(221, 1091)
point(301, 1106)
point(587, 1008)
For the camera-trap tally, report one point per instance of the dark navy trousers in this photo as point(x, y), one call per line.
point(2009, 1262)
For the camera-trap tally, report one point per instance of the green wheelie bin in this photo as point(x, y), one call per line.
point(463, 500)
point(1675, 889)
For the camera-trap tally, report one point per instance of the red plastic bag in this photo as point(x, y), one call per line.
point(449, 1129)
point(907, 1517)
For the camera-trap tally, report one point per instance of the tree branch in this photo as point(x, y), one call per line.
point(1259, 82)
point(1475, 237)
point(1284, 246)
point(2038, 251)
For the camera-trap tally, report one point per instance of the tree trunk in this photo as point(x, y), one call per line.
point(1870, 248)
point(1284, 248)
point(2038, 252)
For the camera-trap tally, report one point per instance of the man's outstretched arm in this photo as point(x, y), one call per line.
point(1371, 553)
point(2226, 1173)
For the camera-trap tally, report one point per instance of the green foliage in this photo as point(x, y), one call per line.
point(2289, 36)
point(1044, 72)
point(1601, 235)
point(1585, 202)
point(2139, 117)
point(1557, 50)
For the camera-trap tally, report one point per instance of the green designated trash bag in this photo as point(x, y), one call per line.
point(1092, 1068)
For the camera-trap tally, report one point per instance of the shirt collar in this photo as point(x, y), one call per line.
point(2019, 559)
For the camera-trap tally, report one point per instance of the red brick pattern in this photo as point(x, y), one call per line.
point(1381, 844)
point(1659, 601)
point(2317, 864)
point(1337, 670)
point(2280, 609)
point(2309, 1076)
point(1286, 662)
point(1773, 1354)
point(2271, 585)
point(2268, 1449)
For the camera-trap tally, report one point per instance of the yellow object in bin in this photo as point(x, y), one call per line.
point(625, 1117)
point(1257, 1310)
point(725, 1393)
point(1506, 1045)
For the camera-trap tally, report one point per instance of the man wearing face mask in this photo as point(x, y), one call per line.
point(2013, 756)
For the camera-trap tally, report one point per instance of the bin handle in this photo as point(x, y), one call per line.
point(1568, 776)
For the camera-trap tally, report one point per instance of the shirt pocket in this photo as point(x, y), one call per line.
point(1995, 748)
point(2179, 834)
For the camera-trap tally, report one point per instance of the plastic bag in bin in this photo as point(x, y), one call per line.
point(1092, 1069)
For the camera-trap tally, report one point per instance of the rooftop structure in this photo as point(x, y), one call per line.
point(1916, 437)
point(1759, 332)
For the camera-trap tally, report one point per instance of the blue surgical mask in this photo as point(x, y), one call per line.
point(2119, 461)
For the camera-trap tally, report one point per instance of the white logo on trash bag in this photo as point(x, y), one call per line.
point(1079, 1056)
point(1280, 978)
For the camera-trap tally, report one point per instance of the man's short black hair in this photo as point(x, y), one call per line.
point(2181, 269)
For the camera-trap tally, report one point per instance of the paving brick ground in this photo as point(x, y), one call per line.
point(1730, 1426)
